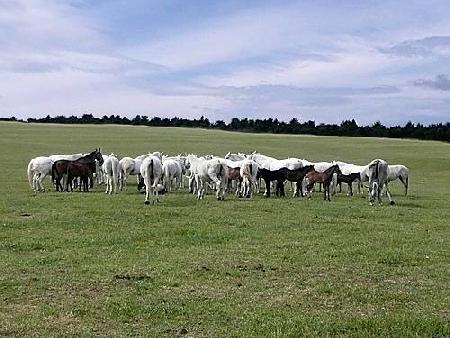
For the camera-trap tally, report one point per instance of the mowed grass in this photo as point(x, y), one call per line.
point(88, 264)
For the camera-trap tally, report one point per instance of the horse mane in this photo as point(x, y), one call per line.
point(330, 169)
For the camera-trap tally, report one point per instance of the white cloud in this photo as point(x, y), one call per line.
point(309, 60)
point(244, 35)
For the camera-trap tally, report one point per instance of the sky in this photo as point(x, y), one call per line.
point(322, 60)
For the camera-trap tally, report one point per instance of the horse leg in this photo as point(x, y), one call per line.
point(199, 189)
point(108, 184)
point(350, 189)
point(36, 181)
point(404, 184)
point(281, 188)
point(155, 193)
point(217, 186)
point(246, 187)
point(220, 191)
point(147, 193)
point(309, 188)
point(66, 183)
point(303, 187)
point(40, 180)
point(295, 188)
point(391, 201)
point(267, 192)
point(58, 184)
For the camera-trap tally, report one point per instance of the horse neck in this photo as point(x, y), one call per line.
point(308, 169)
point(330, 170)
point(86, 159)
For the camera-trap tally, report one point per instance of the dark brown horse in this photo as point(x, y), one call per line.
point(325, 178)
point(82, 170)
point(281, 175)
point(349, 179)
point(59, 168)
point(295, 176)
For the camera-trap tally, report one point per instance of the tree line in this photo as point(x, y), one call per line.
point(439, 131)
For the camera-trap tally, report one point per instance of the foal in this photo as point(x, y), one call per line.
point(324, 178)
point(349, 179)
point(83, 171)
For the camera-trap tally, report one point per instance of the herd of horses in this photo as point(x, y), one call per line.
point(241, 173)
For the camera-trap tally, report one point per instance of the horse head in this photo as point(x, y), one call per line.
point(98, 156)
point(309, 168)
point(337, 170)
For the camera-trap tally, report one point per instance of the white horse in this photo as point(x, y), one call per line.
point(38, 168)
point(192, 164)
point(71, 157)
point(182, 161)
point(378, 179)
point(110, 169)
point(172, 171)
point(151, 171)
point(130, 166)
point(235, 157)
point(248, 172)
point(401, 172)
point(209, 171)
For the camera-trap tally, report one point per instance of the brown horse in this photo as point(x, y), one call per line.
point(59, 168)
point(325, 178)
point(234, 174)
point(82, 170)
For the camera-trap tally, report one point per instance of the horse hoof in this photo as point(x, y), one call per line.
point(147, 202)
point(392, 202)
point(247, 196)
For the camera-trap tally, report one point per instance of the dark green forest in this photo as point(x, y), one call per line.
point(439, 131)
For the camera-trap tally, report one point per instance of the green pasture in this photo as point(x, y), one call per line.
point(88, 264)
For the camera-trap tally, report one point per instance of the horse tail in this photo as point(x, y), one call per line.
point(54, 172)
point(30, 172)
point(219, 174)
point(115, 167)
point(150, 171)
point(406, 184)
point(377, 169)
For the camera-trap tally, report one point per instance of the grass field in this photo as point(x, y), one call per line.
point(77, 264)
